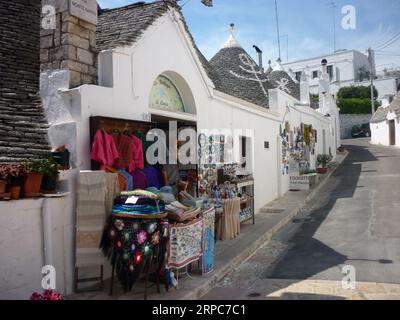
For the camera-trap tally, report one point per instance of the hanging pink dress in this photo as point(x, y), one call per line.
point(104, 150)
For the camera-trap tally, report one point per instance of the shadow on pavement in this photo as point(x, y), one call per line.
point(308, 256)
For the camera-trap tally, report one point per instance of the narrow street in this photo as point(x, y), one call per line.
point(354, 220)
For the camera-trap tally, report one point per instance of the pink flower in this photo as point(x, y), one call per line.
point(141, 237)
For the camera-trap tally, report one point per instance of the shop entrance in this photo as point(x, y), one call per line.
point(171, 173)
point(392, 133)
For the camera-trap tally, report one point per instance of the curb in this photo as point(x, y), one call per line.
point(263, 240)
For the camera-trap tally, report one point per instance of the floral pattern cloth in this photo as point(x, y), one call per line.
point(129, 243)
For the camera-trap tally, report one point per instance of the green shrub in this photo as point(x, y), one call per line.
point(323, 160)
point(356, 106)
point(361, 92)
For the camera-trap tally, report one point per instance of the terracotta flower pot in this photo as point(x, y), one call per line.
point(322, 170)
point(15, 192)
point(3, 184)
point(33, 183)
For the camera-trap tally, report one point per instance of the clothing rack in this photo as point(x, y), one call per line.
point(117, 126)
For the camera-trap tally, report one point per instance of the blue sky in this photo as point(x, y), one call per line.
point(308, 24)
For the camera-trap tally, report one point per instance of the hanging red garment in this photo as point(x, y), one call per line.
point(125, 149)
point(138, 160)
point(104, 149)
point(123, 183)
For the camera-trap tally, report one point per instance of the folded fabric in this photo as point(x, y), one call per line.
point(138, 193)
point(153, 177)
point(139, 180)
point(141, 200)
point(128, 178)
point(139, 209)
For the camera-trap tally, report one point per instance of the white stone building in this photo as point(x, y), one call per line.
point(345, 68)
point(385, 124)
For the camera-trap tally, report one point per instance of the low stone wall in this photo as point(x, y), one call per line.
point(347, 121)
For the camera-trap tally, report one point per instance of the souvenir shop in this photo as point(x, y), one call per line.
point(298, 154)
point(161, 220)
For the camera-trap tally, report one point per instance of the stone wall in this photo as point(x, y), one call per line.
point(23, 127)
point(347, 121)
point(70, 46)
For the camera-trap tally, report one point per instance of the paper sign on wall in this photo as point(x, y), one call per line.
point(84, 9)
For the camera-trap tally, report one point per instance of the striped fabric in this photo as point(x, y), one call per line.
point(96, 189)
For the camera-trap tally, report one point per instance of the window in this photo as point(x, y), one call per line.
point(298, 75)
point(315, 74)
point(330, 72)
point(245, 154)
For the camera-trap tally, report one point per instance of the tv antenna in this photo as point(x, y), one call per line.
point(333, 5)
point(277, 29)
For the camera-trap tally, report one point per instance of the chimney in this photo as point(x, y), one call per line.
point(304, 89)
point(324, 64)
point(259, 53)
point(68, 39)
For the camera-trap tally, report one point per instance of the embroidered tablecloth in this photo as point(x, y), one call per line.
point(185, 243)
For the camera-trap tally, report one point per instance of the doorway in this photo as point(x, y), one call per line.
point(392, 133)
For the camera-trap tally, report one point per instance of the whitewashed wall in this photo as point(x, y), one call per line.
point(380, 133)
point(129, 74)
point(35, 233)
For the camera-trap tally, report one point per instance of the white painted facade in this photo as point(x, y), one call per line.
point(36, 233)
point(127, 75)
point(380, 131)
point(346, 67)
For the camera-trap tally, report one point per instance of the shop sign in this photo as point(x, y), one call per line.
point(300, 183)
point(294, 168)
point(84, 9)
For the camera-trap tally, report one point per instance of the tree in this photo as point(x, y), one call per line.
point(356, 99)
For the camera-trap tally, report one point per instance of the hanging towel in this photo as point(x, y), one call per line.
point(229, 227)
point(112, 191)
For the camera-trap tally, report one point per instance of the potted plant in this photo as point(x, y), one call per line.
point(34, 172)
point(322, 162)
point(11, 179)
point(3, 178)
point(312, 175)
point(50, 173)
point(15, 180)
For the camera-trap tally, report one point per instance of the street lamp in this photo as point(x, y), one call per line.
point(208, 3)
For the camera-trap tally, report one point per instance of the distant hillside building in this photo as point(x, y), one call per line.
point(345, 68)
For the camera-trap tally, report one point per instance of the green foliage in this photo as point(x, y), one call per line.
point(308, 171)
point(323, 160)
point(356, 106)
point(360, 92)
point(46, 166)
point(314, 97)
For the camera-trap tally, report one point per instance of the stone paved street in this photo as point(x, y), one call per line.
point(354, 220)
